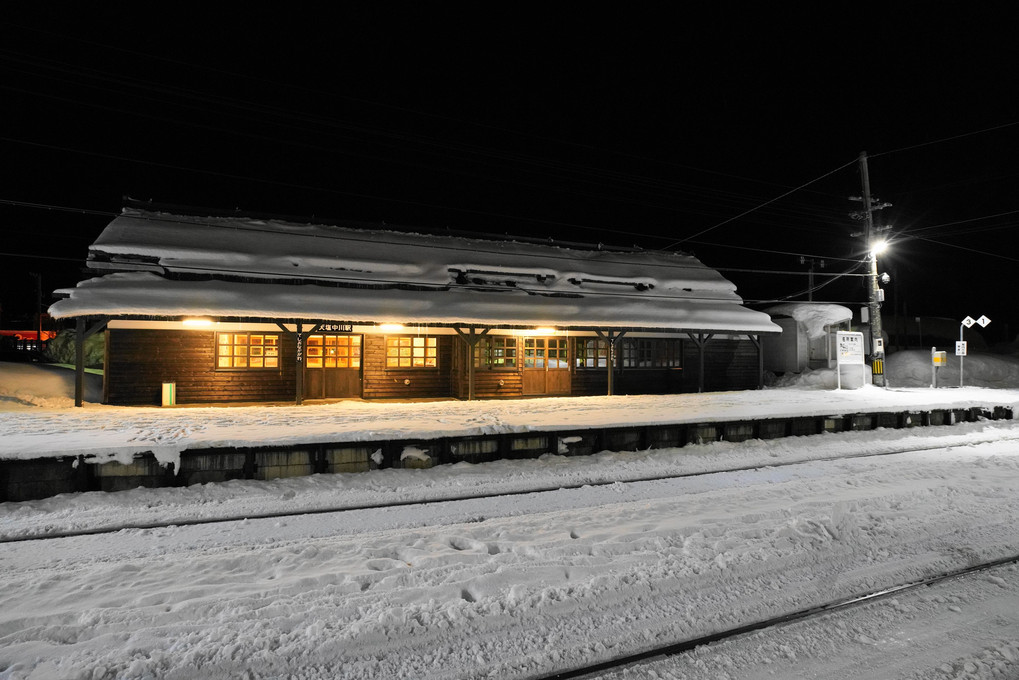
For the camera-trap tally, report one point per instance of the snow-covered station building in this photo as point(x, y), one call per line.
point(228, 309)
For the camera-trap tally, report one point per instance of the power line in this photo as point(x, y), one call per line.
point(417, 112)
point(42, 257)
point(834, 278)
point(747, 212)
point(956, 222)
point(582, 174)
point(472, 249)
point(542, 165)
point(972, 250)
point(773, 252)
point(945, 139)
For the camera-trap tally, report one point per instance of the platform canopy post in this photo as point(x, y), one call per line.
point(756, 339)
point(612, 339)
point(79, 362)
point(301, 337)
point(81, 334)
point(700, 339)
point(472, 337)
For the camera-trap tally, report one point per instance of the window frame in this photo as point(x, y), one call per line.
point(594, 350)
point(642, 354)
point(485, 353)
point(546, 353)
point(354, 347)
point(405, 349)
point(263, 344)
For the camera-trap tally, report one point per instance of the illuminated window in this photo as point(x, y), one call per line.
point(408, 352)
point(247, 350)
point(496, 352)
point(334, 351)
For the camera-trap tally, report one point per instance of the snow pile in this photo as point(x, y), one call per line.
point(40, 385)
point(813, 319)
point(912, 368)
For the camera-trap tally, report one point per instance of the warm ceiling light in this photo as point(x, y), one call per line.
point(544, 331)
point(391, 327)
point(197, 322)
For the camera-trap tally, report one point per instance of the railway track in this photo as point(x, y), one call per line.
point(129, 526)
point(632, 661)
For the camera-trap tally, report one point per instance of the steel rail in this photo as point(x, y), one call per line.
point(673, 649)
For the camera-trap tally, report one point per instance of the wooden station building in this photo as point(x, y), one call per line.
point(229, 309)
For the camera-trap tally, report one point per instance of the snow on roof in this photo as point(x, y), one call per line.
point(813, 317)
point(174, 265)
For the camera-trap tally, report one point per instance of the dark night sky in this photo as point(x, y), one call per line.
point(647, 127)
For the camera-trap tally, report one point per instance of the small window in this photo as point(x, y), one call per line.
point(591, 353)
point(496, 352)
point(247, 350)
point(652, 353)
point(411, 352)
point(334, 351)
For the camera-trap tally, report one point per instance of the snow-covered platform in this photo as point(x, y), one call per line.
point(48, 451)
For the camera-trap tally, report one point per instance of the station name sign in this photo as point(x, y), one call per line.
point(328, 327)
point(850, 348)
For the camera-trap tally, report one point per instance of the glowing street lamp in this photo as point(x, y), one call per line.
point(874, 303)
point(877, 246)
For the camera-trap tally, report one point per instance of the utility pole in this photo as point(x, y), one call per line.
point(810, 262)
point(38, 310)
point(876, 295)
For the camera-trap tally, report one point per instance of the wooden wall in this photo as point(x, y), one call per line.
point(728, 365)
point(486, 381)
point(139, 361)
point(407, 383)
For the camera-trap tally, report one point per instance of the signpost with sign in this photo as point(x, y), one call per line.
point(849, 352)
point(938, 360)
point(961, 347)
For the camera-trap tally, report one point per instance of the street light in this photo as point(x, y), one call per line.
point(874, 303)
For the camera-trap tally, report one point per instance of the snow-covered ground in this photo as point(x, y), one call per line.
point(117, 433)
point(521, 586)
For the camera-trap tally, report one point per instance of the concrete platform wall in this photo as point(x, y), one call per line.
point(22, 480)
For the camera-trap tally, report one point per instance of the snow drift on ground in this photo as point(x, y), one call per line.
point(27, 385)
point(523, 586)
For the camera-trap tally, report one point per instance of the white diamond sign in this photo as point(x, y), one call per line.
point(968, 322)
point(983, 321)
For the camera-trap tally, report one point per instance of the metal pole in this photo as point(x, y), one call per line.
point(38, 311)
point(961, 356)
